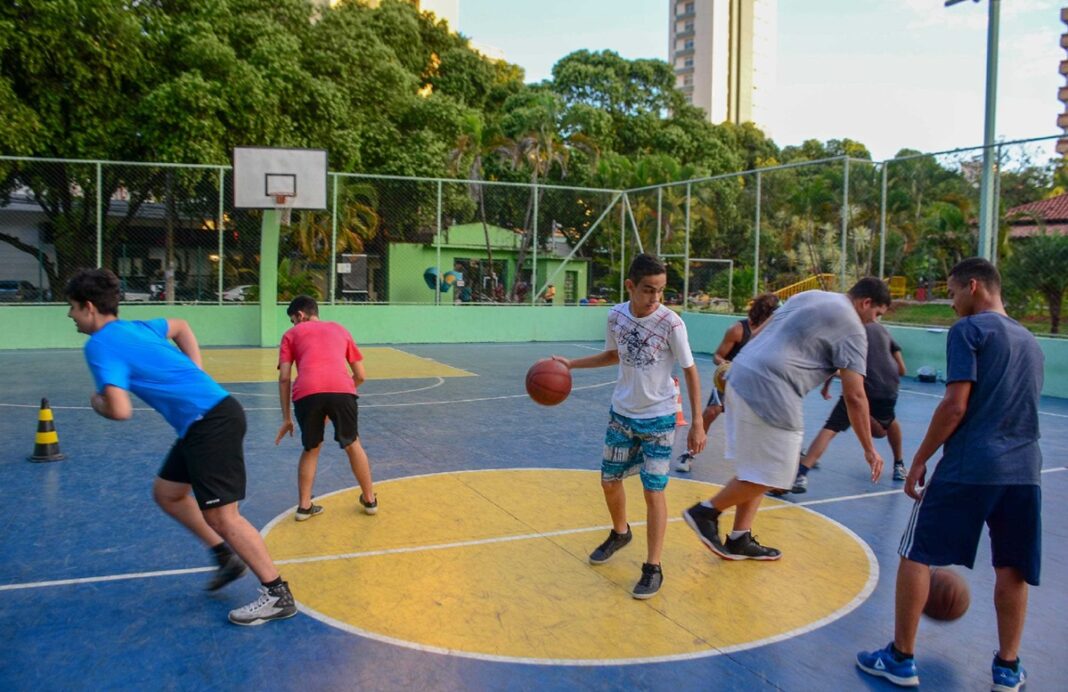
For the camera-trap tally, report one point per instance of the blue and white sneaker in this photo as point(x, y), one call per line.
point(1007, 679)
point(882, 664)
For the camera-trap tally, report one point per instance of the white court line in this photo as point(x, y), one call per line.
point(274, 395)
point(938, 396)
point(396, 551)
point(408, 403)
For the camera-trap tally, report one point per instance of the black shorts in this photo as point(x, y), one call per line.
point(211, 456)
point(882, 410)
point(312, 412)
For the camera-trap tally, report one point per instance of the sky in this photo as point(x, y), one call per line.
point(890, 74)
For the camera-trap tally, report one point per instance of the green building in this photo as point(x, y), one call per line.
point(463, 251)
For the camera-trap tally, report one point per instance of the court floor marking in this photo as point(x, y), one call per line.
point(274, 395)
point(502, 539)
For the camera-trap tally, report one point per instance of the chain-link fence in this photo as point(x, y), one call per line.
point(170, 232)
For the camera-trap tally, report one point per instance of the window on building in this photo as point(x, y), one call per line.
point(687, 80)
point(688, 62)
point(688, 45)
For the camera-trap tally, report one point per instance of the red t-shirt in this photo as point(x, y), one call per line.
point(322, 352)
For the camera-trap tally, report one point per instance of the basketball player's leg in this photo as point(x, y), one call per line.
point(174, 499)
point(1016, 552)
point(310, 412)
point(344, 413)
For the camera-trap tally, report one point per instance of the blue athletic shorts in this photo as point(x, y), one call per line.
point(638, 445)
point(947, 522)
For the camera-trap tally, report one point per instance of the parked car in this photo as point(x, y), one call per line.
point(131, 292)
point(13, 291)
point(236, 293)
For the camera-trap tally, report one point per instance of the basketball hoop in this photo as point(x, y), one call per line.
point(281, 201)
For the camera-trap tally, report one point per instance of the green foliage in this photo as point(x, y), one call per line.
point(1037, 266)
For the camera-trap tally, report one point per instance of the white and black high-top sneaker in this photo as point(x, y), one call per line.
point(274, 603)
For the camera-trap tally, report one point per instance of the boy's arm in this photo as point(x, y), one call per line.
point(600, 360)
point(856, 401)
point(285, 391)
point(182, 334)
point(947, 416)
point(696, 438)
point(359, 375)
point(730, 338)
point(113, 403)
point(901, 369)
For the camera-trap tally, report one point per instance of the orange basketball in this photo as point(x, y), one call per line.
point(548, 382)
point(949, 597)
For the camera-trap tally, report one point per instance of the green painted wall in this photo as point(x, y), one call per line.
point(43, 326)
point(39, 326)
point(919, 345)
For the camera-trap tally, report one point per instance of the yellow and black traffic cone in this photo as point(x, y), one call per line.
point(46, 446)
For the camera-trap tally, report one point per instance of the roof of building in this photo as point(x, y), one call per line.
point(1052, 212)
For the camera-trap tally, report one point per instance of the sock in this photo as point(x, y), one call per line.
point(898, 654)
point(1002, 663)
point(735, 535)
point(803, 470)
point(222, 552)
point(709, 505)
point(272, 584)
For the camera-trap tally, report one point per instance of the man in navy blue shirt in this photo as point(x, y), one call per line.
point(207, 459)
point(987, 426)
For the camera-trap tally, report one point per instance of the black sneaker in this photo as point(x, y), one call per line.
point(745, 547)
point(649, 584)
point(274, 603)
point(303, 514)
point(705, 523)
point(614, 542)
point(233, 568)
point(369, 507)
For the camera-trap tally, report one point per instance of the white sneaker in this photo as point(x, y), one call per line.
point(682, 464)
point(275, 603)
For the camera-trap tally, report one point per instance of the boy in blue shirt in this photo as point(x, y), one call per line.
point(207, 458)
point(987, 426)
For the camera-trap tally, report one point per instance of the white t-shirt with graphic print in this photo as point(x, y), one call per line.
point(648, 349)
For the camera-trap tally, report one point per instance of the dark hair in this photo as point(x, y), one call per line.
point(645, 265)
point(762, 307)
point(871, 287)
point(305, 304)
point(97, 286)
point(979, 269)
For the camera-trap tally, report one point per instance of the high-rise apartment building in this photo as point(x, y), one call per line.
point(724, 54)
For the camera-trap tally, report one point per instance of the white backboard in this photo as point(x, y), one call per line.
point(260, 173)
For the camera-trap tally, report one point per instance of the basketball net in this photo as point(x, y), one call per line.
point(287, 212)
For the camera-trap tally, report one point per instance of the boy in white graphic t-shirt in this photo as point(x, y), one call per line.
point(646, 339)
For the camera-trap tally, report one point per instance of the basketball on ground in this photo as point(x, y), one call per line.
point(548, 382)
point(949, 597)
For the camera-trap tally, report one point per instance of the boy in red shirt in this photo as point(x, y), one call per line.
point(329, 369)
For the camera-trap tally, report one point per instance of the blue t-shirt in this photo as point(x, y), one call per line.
point(137, 357)
point(996, 443)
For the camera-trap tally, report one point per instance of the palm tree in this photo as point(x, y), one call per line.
point(475, 141)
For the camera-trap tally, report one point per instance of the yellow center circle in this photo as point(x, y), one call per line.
point(493, 565)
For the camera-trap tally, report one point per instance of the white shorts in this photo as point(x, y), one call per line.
point(762, 453)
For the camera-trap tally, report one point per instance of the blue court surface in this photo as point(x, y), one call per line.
point(473, 574)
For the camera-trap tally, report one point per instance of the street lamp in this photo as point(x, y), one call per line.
point(986, 185)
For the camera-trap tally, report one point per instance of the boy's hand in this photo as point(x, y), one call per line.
point(287, 427)
point(563, 360)
point(696, 438)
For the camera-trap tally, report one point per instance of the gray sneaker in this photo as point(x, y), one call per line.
point(649, 584)
point(275, 603)
point(900, 473)
point(800, 484)
point(303, 514)
point(745, 547)
point(614, 542)
point(232, 569)
point(682, 464)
